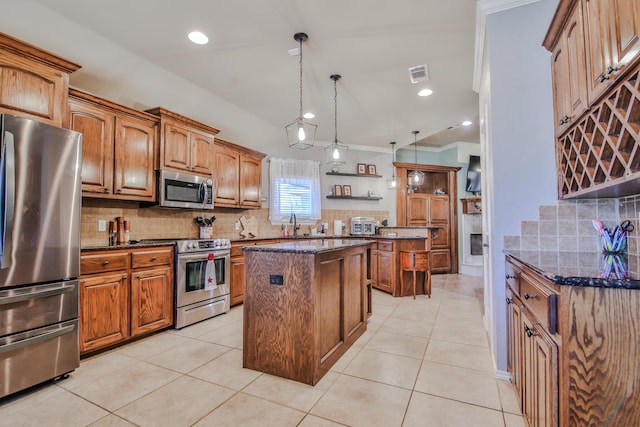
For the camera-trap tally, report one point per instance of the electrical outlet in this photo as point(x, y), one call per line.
point(102, 225)
point(237, 225)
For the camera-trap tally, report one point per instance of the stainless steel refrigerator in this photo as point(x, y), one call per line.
point(40, 203)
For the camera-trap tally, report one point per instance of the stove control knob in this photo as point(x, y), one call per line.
point(191, 245)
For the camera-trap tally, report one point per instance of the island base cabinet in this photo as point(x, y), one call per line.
point(302, 311)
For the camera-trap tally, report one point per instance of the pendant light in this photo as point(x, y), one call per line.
point(336, 153)
point(301, 133)
point(417, 176)
point(392, 184)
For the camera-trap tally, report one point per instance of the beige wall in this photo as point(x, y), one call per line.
point(151, 223)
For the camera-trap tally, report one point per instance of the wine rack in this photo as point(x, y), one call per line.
point(600, 155)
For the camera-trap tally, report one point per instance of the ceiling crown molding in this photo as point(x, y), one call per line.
point(484, 8)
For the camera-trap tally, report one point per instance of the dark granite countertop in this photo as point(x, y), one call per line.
point(328, 237)
point(583, 268)
point(128, 246)
point(312, 246)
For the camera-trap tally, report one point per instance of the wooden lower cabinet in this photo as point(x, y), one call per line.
point(237, 280)
point(104, 311)
point(385, 265)
point(151, 300)
point(124, 294)
point(572, 351)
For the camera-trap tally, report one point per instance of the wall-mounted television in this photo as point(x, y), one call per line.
point(473, 175)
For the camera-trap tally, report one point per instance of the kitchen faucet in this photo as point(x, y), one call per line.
point(292, 219)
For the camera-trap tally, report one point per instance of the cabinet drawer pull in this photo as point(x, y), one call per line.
point(508, 276)
point(105, 263)
point(137, 276)
point(509, 301)
point(153, 258)
point(528, 296)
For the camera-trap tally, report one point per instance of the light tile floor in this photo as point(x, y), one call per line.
point(422, 362)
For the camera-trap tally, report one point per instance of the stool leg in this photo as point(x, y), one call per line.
point(414, 282)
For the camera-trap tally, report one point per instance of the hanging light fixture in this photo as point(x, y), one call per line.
point(417, 176)
point(301, 133)
point(392, 184)
point(336, 153)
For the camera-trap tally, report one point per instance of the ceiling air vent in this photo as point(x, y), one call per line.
point(419, 74)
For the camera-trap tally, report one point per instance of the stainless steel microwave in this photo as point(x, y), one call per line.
point(183, 190)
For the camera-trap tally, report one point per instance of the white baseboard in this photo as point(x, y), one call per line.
point(472, 270)
point(503, 375)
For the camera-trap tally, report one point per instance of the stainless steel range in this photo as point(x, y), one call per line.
point(195, 301)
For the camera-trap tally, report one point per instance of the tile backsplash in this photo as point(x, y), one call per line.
point(154, 223)
point(568, 225)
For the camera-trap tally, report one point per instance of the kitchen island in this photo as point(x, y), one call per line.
point(305, 304)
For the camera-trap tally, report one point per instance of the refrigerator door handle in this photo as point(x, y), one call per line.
point(7, 196)
point(37, 294)
point(37, 339)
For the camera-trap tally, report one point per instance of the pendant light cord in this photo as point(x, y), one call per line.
point(300, 115)
point(335, 110)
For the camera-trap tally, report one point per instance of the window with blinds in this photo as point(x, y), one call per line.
point(294, 187)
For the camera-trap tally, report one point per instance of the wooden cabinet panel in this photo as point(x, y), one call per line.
point(101, 262)
point(175, 141)
point(250, 179)
point(134, 159)
point(330, 305)
point(598, 47)
point(226, 169)
point(151, 300)
point(104, 311)
point(438, 208)
point(118, 151)
point(440, 260)
point(386, 270)
point(185, 144)
point(440, 237)
point(151, 257)
point(238, 175)
point(33, 82)
point(236, 287)
point(625, 31)
point(514, 342)
point(201, 147)
point(417, 210)
point(96, 126)
point(130, 301)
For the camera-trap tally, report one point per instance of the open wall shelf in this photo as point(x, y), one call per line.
point(354, 198)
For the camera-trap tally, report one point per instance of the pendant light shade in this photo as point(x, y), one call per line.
point(336, 153)
point(301, 134)
point(416, 177)
point(392, 184)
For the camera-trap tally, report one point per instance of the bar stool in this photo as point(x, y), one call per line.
point(417, 260)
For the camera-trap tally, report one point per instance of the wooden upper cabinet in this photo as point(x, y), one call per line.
point(96, 126)
point(600, 64)
point(439, 208)
point(625, 31)
point(417, 210)
point(119, 147)
point(250, 180)
point(134, 158)
point(571, 82)
point(185, 144)
point(226, 171)
point(33, 82)
point(238, 175)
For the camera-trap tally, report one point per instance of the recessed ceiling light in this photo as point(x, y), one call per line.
point(425, 92)
point(309, 115)
point(198, 38)
point(466, 123)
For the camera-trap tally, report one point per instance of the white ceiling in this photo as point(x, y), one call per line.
point(370, 43)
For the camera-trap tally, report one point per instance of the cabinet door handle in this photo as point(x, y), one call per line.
point(529, 331)
point(509, 301)
point(137, 276)
point(527, 296)
point(119, 190)
point(611, 69)
point(508, 276)
point(124, 276)
point(107, 189)
point(105, 263)
point(564, 120)
point(603, 77)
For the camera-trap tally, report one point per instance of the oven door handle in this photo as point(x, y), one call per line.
point(202, 256)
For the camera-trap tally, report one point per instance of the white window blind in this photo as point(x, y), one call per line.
point(294, 188)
